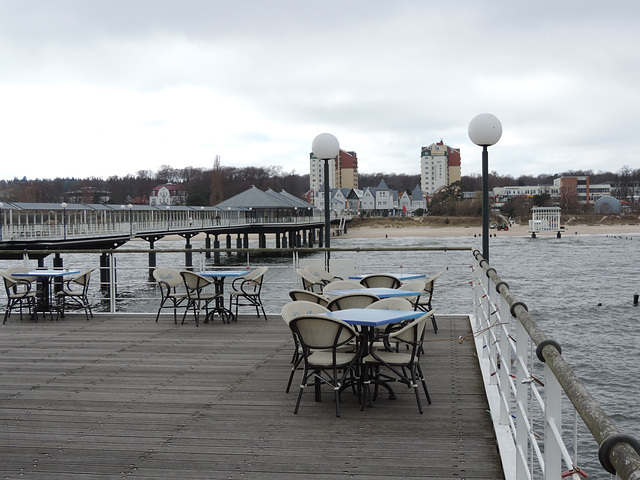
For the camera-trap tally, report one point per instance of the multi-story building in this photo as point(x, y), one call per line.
point(579, 188)
point(168, 194)
point(439, 167)
point(343, 171)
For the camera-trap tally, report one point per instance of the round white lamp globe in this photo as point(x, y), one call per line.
point(485, 130)
point(325, 146)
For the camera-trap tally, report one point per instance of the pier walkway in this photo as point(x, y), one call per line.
point(125, 397)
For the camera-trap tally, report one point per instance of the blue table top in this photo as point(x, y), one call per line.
point(378, 292)
point(371, 317)
point(45, 273)
point(400, 276)
point(224, 273)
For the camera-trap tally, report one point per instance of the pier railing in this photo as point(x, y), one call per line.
point(527, 380)
point(521, 398)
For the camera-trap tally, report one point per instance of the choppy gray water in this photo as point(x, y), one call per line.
point(578, 288)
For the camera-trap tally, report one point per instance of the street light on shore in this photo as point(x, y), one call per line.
point(64, 219)
point(1, 221)
point(326, 147)
point(485, 130)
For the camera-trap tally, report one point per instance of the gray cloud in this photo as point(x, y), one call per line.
point(177, 82)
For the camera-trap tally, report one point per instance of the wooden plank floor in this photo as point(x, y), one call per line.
point(125, 397)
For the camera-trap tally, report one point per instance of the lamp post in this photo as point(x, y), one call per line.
point(485, 130)
point(1, 221)
point(130, 220)
point(326, 147)
point(64, 219)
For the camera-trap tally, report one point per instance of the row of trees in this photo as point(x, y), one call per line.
point(211, 186)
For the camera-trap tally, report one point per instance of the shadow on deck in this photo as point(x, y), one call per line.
point(125, 397)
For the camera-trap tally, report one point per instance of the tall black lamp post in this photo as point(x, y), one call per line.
point(485, 130)
point(1, 221)
point(326, 147)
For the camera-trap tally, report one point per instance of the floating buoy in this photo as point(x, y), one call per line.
point(635, 299)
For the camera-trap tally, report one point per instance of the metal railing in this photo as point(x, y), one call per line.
point(517, 393)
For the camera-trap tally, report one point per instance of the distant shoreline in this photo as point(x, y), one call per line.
point(514, 231)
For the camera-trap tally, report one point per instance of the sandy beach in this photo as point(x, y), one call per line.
point(514, 231)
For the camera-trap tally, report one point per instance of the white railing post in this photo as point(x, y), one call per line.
point(522, 394)
point(552, 425)
point(112, 283)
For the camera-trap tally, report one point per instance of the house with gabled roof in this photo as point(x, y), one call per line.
point(168, 194)
point(266, 206)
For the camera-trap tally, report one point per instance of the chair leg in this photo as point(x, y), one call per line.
point(424, 383)
point(302, 385)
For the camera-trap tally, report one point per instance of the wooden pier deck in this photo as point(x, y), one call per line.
point(125, 397)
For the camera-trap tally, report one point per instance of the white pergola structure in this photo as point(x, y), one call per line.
point(544, 219)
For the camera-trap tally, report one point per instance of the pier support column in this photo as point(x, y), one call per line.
point(262, 241)
point(105, 271)
point(57, 265)
point(207, 245)
point(188, 256)
point(228, 243)
point(152, 256)
point(216, 253)
point(284, 241)
point(277, 240)
point(320, 238)
point(245, 240)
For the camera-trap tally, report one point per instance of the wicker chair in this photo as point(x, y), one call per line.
point(169, 280)
point(75, 290)
point(321, 338)
point(245, 291)
point(21, 293)
point(403, 367)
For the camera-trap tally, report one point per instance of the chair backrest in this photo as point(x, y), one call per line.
point(308, 296)
point(321, 333)
point(429, 283)
point(309, 280)
point(256, 276)
point(380, 280)
point(194, 282)
point(392, 303)
point(413, 286)
point(413, 333)
point(342, 285)
point(168, 276)
point(321, 273)
point(301, 307)
point(19, 269)
point(83, 279)
point(9, 281)
point(352, 300)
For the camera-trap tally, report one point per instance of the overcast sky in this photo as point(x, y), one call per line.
point(94, 88)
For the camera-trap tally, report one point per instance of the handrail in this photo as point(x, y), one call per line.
point(617, 451)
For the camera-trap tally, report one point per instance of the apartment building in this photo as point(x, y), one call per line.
point(343, 171)
point(439, 167)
